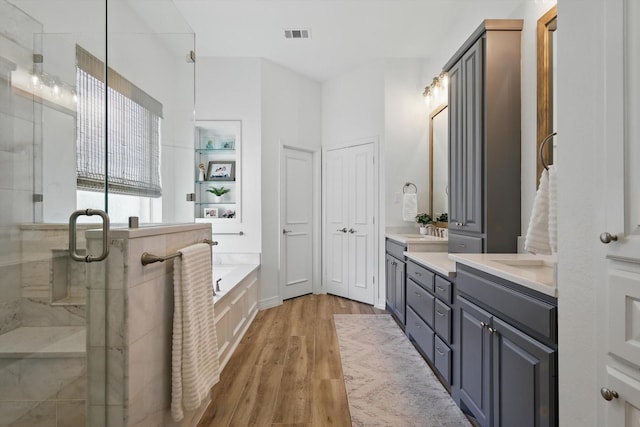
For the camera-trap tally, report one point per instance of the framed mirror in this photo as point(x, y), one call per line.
point(439, 161)
point(546, 43)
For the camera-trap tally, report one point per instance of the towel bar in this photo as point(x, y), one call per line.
point(148, 258)
point(541, 153)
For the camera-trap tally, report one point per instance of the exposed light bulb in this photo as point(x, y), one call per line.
point(34, 79)
point(444, 79)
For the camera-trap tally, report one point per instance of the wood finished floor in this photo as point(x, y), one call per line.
point(286, 370)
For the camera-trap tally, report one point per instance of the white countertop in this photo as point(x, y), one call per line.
point(537, 272)
point(436, 261)
point(419, 243)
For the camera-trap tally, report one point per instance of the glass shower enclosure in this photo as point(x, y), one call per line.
point(96, 112)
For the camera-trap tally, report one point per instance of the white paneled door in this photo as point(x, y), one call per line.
point(621, 389)
point(349, 222)
point(297, 223)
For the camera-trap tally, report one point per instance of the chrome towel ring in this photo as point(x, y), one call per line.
point(540, 153)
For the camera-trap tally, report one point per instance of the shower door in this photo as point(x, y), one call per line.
point(81, 82)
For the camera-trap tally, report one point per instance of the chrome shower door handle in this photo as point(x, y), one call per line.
point(73, 234)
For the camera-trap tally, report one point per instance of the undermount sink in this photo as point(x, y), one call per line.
point(523, 263)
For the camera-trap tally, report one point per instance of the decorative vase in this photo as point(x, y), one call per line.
point(423, 230)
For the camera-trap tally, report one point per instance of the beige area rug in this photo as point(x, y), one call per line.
point(388, 383)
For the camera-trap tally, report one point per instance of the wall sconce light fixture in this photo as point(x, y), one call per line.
point(436, 93)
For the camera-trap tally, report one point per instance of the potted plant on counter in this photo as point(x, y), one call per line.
point(443, 220)
point(424, 219)
point(218, 192)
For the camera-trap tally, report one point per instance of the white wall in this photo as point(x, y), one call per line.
point(582, 198)
point(230, 89)
point(353, 109)
point(290, 115)
point(406, 140)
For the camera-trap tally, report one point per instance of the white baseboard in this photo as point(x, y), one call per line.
point(263, 304)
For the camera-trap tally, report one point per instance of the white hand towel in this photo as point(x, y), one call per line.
point(194, 367)
point(553, 209)
point(409, 207)
point(537, 239)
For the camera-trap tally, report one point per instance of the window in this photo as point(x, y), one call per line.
point(132, 163)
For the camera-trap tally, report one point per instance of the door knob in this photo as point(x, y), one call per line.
point(286, 231)
point(343, 229)
point(607, 237)
point(351, 230)
point(608, 394)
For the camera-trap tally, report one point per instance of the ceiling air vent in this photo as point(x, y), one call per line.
point(297, 34)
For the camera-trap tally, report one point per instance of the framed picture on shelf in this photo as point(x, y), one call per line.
point(210, 213)
point(221, 170)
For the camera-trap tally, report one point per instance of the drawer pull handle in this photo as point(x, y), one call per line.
point(418, 273)
point(440, 352)
point(418, 294)
point(441, 289)
point(483, 325)
point(417, 325)
point(440, 314)
point(462, 246)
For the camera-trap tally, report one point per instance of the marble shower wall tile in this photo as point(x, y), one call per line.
point(39, 312)
point(28, 413)
point(42, 378)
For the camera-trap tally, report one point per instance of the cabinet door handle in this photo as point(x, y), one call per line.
point(417, 273)
point(343, 229)
point(440, 314)
point(441, 289)
point(492, 331)
point(418, 294)
point(483, 325)
point(462, 246)
point(351, 230)
point(417, 325)
point(608, 394)
point(440, 352)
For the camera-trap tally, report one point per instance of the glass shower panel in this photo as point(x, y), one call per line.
point(44, 363)
point(150, 48)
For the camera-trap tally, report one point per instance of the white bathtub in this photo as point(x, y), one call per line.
point(230, 275)
point(235, 305)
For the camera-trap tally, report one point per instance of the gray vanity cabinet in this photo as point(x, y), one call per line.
point(430, 318)
point(395, 280)
point(484, 140)
point(507, 352)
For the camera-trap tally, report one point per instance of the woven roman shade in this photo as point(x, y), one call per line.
point(128, 159)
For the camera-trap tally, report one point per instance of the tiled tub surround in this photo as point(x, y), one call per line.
point(135, 348)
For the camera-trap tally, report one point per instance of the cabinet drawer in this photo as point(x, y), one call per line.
point(532, 315)
point(443, 289)
point(442, 359)
point(465, 244)
point(421, 333)
point(420, 301)
point(421, 275)
point(396, 249)
point(442, 320)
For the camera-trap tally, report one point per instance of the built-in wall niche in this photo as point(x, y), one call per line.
point(68, 278)
point(217, 177)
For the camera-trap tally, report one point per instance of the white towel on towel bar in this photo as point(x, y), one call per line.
point(194, 366)
point(409, 206)
point(537, 239)
point(553, 208)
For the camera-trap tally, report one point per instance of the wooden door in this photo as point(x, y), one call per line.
point(297, 223)
point(621, 233)
point(349, 227)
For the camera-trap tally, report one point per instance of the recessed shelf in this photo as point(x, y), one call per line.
point(215, 150)
point(217, 180)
